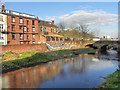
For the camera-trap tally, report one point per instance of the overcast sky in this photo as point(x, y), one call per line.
point(98, 15)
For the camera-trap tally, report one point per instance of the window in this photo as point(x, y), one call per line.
point(33, 22)
point(1, 37)
point(13, 36)
point(41, 29)
point(13, 27)
point(38, 21)
point(8, 27)
point(53, 38)
point(24, 28)
point(48, 38)
point(25, 42)
point(27, 29)
point(21, 42)
point(1, 27)
point(45, 29)
point(61, 39)
point(33, 36)
point(51, 30)
point(27, 36)
point(13, 19)
point(33, 42)
point(20, 27)
point(1, 18)
point(28, 42)
point(8, 42)
point(21, 20)
point(33, 29)
point(21, 36)
point(27, 22)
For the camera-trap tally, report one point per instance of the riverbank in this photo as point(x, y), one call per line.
point(33, 58)
point(112, 81)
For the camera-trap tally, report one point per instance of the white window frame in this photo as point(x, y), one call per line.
point(21, 42)
point(13, 19)
point(21, 36)
point(33, 29)
point(1, 18)
point(25, 28)
point(33, 36)
point(1, 27)
point(21, 20)
point(33, 42)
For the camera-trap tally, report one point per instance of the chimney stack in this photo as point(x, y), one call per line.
point(37, 17)
point(3, 8)
point(52, 21)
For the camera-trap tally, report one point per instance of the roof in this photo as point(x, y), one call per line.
point(18, 14)
point(46, 23)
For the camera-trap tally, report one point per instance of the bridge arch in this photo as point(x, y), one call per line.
point(104, 48)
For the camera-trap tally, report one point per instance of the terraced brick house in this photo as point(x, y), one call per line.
point(48, 32)
point(22, 28)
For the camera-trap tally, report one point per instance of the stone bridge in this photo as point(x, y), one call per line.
point(104, 45)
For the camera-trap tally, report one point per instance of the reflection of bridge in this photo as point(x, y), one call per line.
point(104, 45)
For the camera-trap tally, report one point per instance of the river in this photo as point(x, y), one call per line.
point(84, 71)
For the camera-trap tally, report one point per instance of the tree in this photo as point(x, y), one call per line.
point(61, 26)
point(83, 29)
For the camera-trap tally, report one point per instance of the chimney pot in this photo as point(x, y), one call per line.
point(37, 17)
point(52, 21)
point(3, 8)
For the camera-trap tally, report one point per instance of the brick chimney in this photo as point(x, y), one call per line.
point(37, 17)
point(3, 8)
point(52, 21)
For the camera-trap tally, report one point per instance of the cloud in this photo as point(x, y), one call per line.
point(94, 18)
point(51, 17)
point(86, 7)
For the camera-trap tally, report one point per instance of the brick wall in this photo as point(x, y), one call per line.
point(17, 31)
point(73, 44)
point(23, 48)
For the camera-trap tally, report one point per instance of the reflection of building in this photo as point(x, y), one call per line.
point(21, 28)
point(30, 77)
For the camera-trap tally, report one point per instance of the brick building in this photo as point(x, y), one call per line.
point(21, 28)
point(49, 33)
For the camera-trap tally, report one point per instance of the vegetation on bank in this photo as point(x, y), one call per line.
point(33, 58)
point(112, 81)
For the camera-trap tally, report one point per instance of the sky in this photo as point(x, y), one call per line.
point(101, 17)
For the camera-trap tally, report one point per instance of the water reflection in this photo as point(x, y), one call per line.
point(74, 72)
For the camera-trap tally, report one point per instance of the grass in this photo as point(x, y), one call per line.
point(13, 56)
point(112, 81)
point(32, 58)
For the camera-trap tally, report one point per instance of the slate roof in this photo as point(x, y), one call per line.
point(46, 23)
point(41, 22)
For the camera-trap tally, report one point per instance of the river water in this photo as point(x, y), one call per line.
point(84, 71)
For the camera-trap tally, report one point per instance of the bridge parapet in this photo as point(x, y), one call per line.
point(100, 44)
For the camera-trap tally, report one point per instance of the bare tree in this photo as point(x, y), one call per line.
point(72, 25)
point(61, 25)
point(83, 29)
point(96, 32)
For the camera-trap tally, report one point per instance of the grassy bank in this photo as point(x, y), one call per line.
point(112, 81)
point(32, 58)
